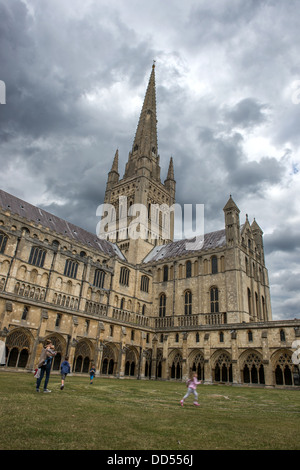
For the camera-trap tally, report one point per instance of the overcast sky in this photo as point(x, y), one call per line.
point(228, 109)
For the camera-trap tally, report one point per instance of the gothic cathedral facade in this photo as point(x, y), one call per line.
point(143, 307)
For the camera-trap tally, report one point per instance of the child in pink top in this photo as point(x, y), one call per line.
point(192, 385)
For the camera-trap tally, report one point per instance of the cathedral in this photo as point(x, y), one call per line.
point(142, 306)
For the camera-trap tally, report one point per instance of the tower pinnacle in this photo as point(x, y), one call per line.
point(145, 140)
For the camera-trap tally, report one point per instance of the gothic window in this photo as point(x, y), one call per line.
point(214, 265)
point(37, 256)
point(249, 302)
point(145, 283)
point(198, 366)
point(144, 309)
point(130, 362)
point(250, 336)
point(25, 313)
point(188, 268)
point(3, 240)
point(162, 305)
point(71, 268)
point(221, 337)
point(253, 371)
point(188, 302)
point(99, 278)
point(197, 337)
point(124, 276)
point(223, 368)
point(166, 273)
point(82, 359)
point(18, 346)
point(264, 311)
point(214, 300)
point(256, 304)
point(58, 320)
point(108, 361)
point(282, 335)
point(285, 370)
point(176, 369)
point(122, 305)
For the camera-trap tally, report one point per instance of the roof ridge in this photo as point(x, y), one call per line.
point(57, 224)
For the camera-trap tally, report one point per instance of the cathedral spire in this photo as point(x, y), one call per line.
point(144, 153)
point(146, 134)
point(115, 164)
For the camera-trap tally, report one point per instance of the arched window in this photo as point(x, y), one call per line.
point(214, 265)
point(17, 348)
point(166, 273)
point(221, 337)
point(82, 359)
point(214, 300)
point(188, 302)
point(253, 371)
point(143, 309)
point(282, 335)
point(176, 369)
point(3, 240)
point(198, 366)
point(249, 302)
point(124, 276)
point(188, 268)
point(71, 268)
point(37, 256)
point(223, 369)
point(145, 283)
point(162, 305)
point(99, 278)
point(250, 336)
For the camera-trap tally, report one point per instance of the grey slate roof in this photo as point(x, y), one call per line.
point(56, 224)
point(180, 248)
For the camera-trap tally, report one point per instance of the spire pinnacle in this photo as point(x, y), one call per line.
point(145, 140)
point(115, 164)
point(170, 175)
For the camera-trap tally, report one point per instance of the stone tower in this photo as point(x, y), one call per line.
point(140, 200)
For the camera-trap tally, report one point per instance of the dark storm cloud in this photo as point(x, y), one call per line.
point(285, 239)
point(247, 113)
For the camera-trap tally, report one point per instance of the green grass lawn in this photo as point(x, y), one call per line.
point(143, 415)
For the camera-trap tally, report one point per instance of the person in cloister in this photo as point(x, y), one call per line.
point(44, 364)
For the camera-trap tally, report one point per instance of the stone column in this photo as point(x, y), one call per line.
point(165, 363)
point(154, 356)
point(185, 367)
point(99, 348)
point(236, 378)
point(269, 379)
point(207, 361)
point(73, 341)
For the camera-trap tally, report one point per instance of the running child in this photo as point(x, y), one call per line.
point(192, 385)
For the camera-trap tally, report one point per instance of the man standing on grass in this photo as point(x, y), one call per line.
point(45, 364)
